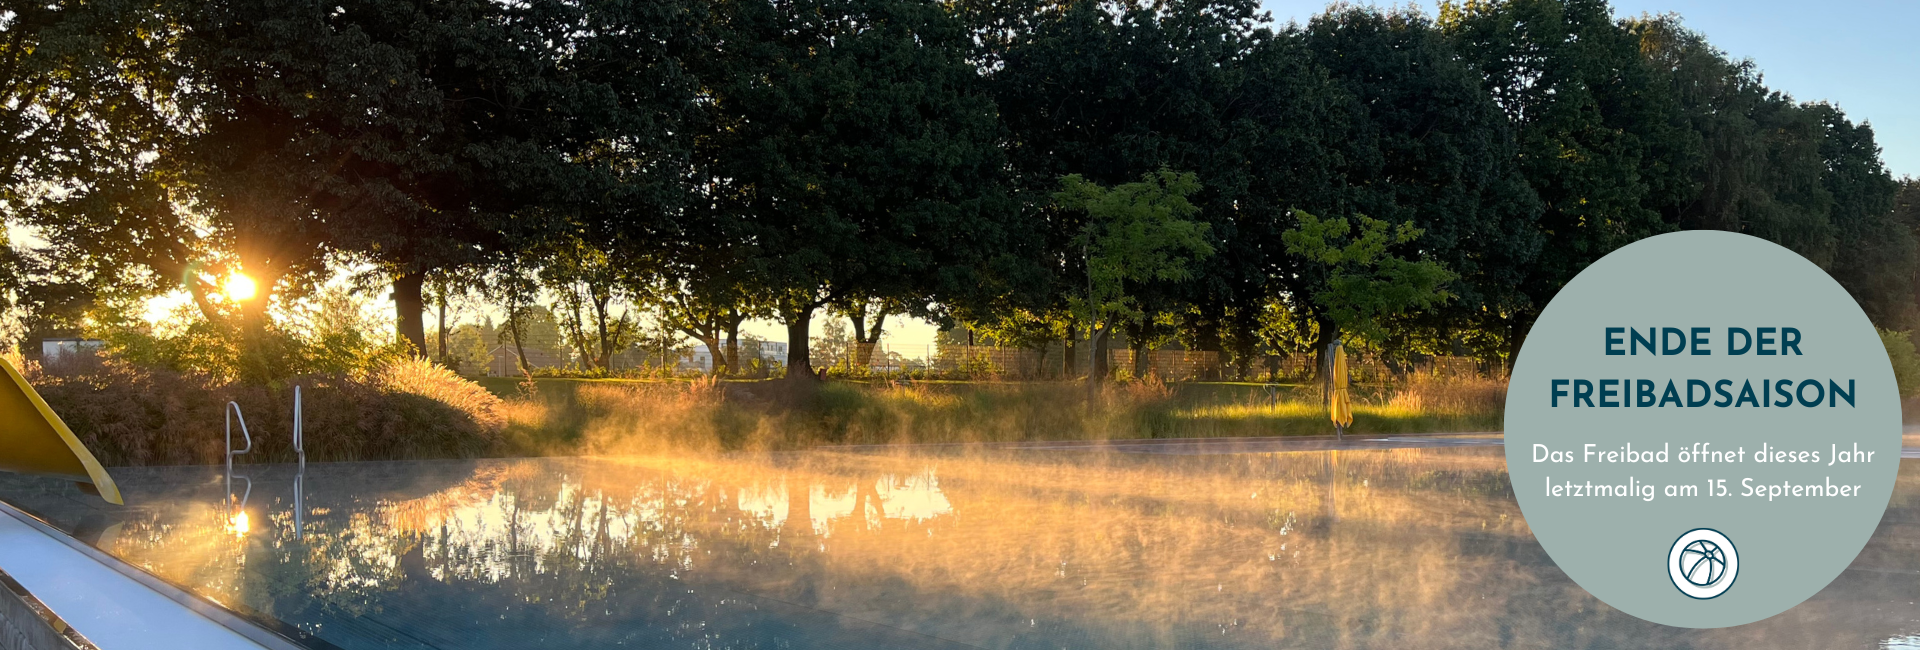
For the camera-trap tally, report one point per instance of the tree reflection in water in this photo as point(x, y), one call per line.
point(1353, 549)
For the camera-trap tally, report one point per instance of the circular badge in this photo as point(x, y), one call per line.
point(1703, 563)
point(1690, 390)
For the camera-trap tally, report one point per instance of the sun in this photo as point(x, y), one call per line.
point(240, 287)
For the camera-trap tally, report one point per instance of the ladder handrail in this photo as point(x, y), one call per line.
point(299, 429)
point(233, 411)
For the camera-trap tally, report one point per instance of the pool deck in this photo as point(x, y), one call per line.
point(103, 602)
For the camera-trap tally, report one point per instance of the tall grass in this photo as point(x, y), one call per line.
point(631, 417)
point(131, 415)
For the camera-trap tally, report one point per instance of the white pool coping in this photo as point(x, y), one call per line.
point(104, 602)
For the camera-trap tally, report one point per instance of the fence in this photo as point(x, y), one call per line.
point(989, 362)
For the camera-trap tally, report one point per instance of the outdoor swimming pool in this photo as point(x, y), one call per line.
point(928, 548)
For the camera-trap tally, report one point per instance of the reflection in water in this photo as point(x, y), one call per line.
point(1354, 549)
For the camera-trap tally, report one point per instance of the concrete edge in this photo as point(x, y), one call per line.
point(241, 625)
point(27, 624)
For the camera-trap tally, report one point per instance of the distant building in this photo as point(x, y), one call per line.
point(54, 349)
point(700, 358)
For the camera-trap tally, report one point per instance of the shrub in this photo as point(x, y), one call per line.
point(130, 414)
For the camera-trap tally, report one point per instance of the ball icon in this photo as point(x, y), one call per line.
point(1703, 563)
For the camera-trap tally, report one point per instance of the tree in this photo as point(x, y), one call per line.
point(1114, 90)
point(1133, 234)
point(1361, 282)
point(1430, 150)
point(850, 150)
point(710, 313)
point(587, 290)
point(80, 126)
point(1599, 138)
point(1761, 168)
point(1878, 253)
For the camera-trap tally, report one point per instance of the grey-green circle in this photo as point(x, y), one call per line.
point(1616, 547)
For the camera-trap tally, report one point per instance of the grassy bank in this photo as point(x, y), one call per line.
point(614, 416)
point(130, 414)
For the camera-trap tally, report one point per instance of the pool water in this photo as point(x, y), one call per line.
point(914, 548)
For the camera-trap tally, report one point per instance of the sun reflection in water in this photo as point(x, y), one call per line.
point(238, 524)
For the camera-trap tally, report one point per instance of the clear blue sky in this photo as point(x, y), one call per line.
point(1860, 55)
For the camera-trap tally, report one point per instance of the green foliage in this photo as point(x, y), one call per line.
point(334, 336)
point(1599, 136)
point(1365, 284)
point(619, 173)
point(1134, 234)
point(1906, 364)
point(852, 146)
point(1430, 148)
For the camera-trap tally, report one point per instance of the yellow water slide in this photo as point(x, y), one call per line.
point(34, 441)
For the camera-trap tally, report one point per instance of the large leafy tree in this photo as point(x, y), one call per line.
point(80, 123)
point(851, 152)
point(1364, 283)
point(1134, 235)
point(1800, 175)
point(1760, 168)
point(421, 136)
point(1876, 253)
point(1430, 151)
point(1116, 90)
point(1599, 138)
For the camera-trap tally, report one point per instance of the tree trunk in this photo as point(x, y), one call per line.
point(799, 362)
point(1102, 337)
point(409, 306)
point(519, 327)
point(258, 361)
point(1207, 338)
point(1324, 337)
point(733, 345)
point(579, 336)
point(441, 317)
point(864, 346)
point(1517, 328)
point(1137, 335)
point(1069, 355)
point(717, 361)
point(1097, 363)
point(605, 355)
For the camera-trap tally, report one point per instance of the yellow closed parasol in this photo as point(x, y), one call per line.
point(1338, 403)
point(34, 441)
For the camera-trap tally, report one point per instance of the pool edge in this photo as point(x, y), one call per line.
point(240, 624)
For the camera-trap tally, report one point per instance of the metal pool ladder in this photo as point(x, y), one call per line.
point(233, 412)
point(299, 448)
point(299, 430)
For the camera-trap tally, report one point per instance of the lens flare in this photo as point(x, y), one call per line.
point(240, 287)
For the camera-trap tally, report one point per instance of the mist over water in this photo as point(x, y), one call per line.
point(915, 548)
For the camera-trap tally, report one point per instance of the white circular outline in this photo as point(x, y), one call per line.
point(1717, 588)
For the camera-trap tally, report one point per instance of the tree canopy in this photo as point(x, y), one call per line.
point(1036, 170)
